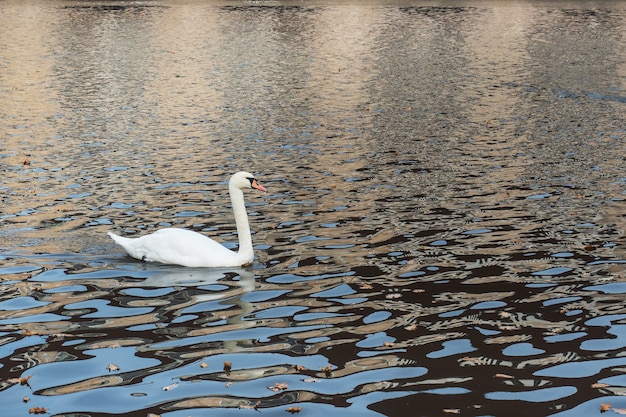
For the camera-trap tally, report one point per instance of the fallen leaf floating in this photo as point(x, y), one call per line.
point(113, 367)
point(327, 371)
point(229, 383)
point(294, 410)
point(277, 387)
point(204, 365)
point(25, 399)
point(599, 385)
point(300, 368)
point(37, 410)
point(227, 367)
point(604, 407)
point(170, 386)
point(21, 381)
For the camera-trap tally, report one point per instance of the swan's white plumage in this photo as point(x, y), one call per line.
point(188, 248)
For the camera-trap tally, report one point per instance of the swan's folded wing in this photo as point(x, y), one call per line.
point(182, 247)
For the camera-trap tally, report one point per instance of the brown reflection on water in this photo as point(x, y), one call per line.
point(445, 206)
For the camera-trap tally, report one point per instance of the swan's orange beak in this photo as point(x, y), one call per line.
point(255, 184)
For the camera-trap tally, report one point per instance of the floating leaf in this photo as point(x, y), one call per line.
point(604, 407)
point(229, 383)
point(299, 368)
point(25, 399)
point(310, 380)
point(227, 367)
point(204, 365)
point(599, 385)
point(279, 386)
point(327, 371)
point(113, 367)
point(21, 381)
point(294, 410)
point(37, 410)
point(170, 386)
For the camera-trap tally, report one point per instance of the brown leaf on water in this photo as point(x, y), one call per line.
point(113, 367)
point(327, 371)
point(604, 407)
point(277, 387)
point(229, 383)
point(25, 399)
point(204, 365)
point(599, 385)
point(294, 410)
point(26, 161)
point(21, 381)
point(37, 410)
point(300, 368)
point(227, 367)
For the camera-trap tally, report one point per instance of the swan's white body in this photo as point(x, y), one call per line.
point(188, 248)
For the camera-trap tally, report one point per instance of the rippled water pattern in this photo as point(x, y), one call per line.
point(443, 231)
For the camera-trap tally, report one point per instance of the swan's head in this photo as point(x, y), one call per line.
point(244, 180)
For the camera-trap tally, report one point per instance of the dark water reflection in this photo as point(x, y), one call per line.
point(443, 231)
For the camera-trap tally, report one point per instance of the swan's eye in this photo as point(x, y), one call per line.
point(252, 180)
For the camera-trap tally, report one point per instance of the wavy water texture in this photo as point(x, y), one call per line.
point(443, 229)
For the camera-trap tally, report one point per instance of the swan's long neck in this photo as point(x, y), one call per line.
point(241, 220)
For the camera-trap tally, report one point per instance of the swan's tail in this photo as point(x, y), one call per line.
point(118, 239)
point(129, 245)
point(125, 242)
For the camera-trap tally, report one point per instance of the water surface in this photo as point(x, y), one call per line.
point(443, 229)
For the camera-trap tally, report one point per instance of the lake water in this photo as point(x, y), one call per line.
point(443, 231)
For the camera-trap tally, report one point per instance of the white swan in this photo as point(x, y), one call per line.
point(188, 248)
